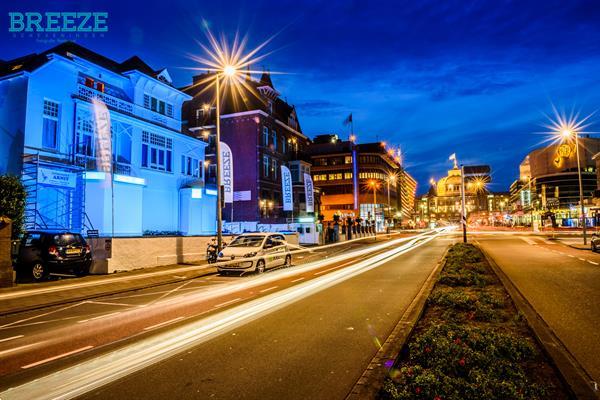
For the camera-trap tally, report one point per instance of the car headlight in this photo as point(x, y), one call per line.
point(220, 254)
point(250, 254)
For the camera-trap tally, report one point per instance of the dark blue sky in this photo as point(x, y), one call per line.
point(471, 77)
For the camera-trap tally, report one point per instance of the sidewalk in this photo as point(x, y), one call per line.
point(30, 296)
point(576, 243)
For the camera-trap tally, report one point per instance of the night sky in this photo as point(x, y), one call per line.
point(471, 77)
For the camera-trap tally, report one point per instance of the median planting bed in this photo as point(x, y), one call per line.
point(471, 342)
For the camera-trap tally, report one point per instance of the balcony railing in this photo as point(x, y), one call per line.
point(114, 102)
point(89, 164)
point(125, 106)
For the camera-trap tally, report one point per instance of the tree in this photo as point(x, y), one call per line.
point(12, 202)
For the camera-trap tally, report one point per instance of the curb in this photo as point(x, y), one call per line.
point(577, 380)
point(372, 379)
point(204, 271)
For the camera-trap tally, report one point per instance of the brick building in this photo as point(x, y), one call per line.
point(263, 133)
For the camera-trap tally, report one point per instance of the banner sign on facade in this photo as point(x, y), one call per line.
point(286, 188)
point(226, 169)
point(52, 177)
point(309, 193)
point(103, 137)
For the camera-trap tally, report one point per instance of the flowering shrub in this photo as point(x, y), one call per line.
point(470, 343)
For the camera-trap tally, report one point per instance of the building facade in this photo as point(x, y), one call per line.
point(443, 202)
point(264, 134)
point(99, 146)
point(383, 190)
point(548, 186)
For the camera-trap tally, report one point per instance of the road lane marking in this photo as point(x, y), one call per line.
point(529, 241)
point(56, 357)
point(592, 262)
point(107, 303)
point(227, 302)
point(327, 270)
point(98, 317)
point(297, 280)
point(266, 290)
point(42, 315)
point(570, 255)
point(11, 338)
point(582, 259)
point(163, 323)
point(17, 349)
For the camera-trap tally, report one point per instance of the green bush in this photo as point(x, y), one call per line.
point(456, 362)
point(12, 202)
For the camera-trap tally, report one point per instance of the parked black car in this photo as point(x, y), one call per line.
point(43, 252)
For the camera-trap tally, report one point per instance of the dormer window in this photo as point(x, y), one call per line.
point(89, 82)
point(270, 107)
point(100, 87)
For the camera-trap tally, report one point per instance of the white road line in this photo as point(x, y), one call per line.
point(107, 303)
point(297, 280)
point(16, 349)
point(266, 290)
point(529, 241)
point(56, 357)
point(42, 315)
point(163, 323)
point(228, 302)
point(592, 262)
point(570, 255)
point(11, 338)
point(582, 259)
point(98, 317)
point(327, 270)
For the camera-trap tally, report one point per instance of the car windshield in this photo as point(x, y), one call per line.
point(246, 241)
point(67, 239)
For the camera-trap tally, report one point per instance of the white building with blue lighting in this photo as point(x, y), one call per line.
point(130, 174)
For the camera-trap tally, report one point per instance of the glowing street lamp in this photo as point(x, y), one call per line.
point(567, 133)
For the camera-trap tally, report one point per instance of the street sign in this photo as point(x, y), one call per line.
point(92, 233)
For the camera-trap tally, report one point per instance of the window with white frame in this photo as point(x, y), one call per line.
point(50, 127)
point(266, 166)
point(158, 106)
point(157, 152)
point(265, 136)
point(274, 139)
point(190, 166)
point(84, 142)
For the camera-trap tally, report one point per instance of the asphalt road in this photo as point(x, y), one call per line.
point(314, 348)
point(563, 286)
point(37, 343)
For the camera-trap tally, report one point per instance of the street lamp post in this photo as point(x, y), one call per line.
point(218, 164)
point(567, 133)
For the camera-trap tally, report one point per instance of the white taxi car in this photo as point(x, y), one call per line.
point(255, 252)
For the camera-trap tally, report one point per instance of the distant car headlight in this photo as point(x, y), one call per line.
point(250, 254)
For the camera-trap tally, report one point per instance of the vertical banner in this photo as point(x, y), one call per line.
point(103, 137)
point(309, 193)
point(226, 169)
point(286, 188)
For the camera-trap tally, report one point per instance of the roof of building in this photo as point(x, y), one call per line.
point(68, 49)
point(245, 96)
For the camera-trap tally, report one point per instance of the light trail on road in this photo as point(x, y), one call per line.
point(103, 369)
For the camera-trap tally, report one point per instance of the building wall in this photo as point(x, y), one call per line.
point(144, 198)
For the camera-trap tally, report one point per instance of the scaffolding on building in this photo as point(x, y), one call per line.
point(51, 204)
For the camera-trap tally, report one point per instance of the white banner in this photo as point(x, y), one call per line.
point(286, 188)
point(52, 177)
point(103, 137)
point(226, 169)
point(309, 193)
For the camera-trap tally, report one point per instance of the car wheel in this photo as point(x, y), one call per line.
point(594, 249)
point(39, 272)
point(288, 261)
point(260, 266)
